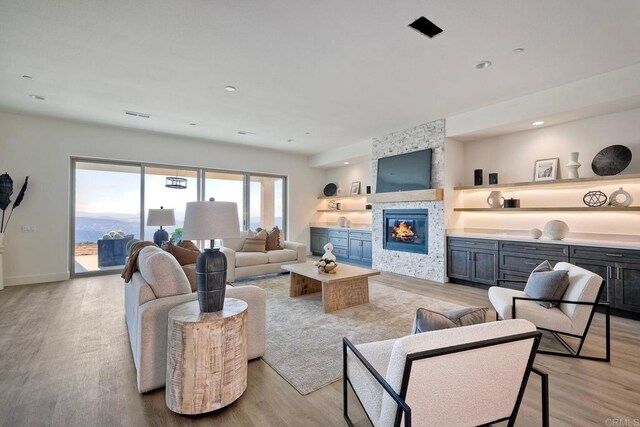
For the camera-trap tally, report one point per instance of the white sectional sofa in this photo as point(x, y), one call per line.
point(245, 264)
point(158, 286)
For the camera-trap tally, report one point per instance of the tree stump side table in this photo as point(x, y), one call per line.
point(206, 357)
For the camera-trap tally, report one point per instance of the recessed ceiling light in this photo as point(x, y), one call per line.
point(482, 64)
point(307, 133)
point(518, 50)
point(192, 124)
point(290, 140)
point(346, 163)
point(24, 76)
point(230, 88)
point(245, 132)
point(538, 123)
point(38, 97)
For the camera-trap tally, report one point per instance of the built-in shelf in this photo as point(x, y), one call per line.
point(359, 196)
point(557, 183)
point(553, 209)
point(434, 194)
point(344, 210)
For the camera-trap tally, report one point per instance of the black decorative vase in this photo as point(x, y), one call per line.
point(160, 236)
point(368, 189)
point(211, 278)
point(477, 177)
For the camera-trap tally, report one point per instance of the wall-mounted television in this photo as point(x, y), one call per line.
point(404, 172)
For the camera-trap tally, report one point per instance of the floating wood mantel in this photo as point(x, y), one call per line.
point(434, 194)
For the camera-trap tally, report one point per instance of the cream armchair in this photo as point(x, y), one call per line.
point(572, 316)
point(441, 378)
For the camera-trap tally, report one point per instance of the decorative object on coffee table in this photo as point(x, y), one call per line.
point(511, 203)
point(611, 160)
point(327, 264)
point(355, 188)
point(546, 170)
point(620, 198)
point(161, 217)
point(595, 199)
point(330, 190)
point(207, 357)
point(556, 229)
point(349, 286)
point(208, 221)
point(495, 200)
point(477, 177)
point(493, 178)
point(573, 165)
point(6, 190)
point(535, 233)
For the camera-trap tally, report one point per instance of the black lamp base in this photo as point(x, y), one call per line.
point(211, 279)
point(160, 236)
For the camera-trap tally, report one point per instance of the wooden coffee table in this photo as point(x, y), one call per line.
point(349, 286)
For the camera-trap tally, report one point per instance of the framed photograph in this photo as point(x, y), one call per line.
point(355, 188)
point(546, 170)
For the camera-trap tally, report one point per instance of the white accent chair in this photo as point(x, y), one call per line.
point(472, 375)
point(572, 316)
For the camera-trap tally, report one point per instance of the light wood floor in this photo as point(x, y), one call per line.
point(65, 360)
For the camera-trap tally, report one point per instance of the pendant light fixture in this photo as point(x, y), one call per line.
point(176, 182)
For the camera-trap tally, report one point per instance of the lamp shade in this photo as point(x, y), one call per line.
point(161, 217)
point(211, 220)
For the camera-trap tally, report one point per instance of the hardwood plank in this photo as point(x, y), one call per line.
point(65, 360)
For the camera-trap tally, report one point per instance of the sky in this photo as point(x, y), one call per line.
point(116, 195)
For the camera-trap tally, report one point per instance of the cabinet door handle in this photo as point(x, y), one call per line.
point(530, 248)
point(530, 263)
point(615, 255)
point(618, 273)
point(609, 272)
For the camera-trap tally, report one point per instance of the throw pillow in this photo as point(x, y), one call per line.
point(188, 244)
point(182, 255)
point(273, 238)
point(255, 242)
point(546, 283)
point(430, 320)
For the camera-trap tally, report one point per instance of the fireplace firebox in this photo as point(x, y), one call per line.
point(406, 230)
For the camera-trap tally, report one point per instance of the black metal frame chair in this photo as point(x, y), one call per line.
point(404, 411)
point(575, 353)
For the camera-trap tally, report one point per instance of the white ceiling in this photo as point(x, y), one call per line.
point(344, 71)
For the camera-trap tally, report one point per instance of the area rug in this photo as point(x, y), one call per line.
point(304, 344)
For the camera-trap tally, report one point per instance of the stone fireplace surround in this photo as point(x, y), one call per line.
point(429, 266)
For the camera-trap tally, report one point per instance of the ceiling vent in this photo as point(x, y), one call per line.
point(426, 27)
point(137, 114)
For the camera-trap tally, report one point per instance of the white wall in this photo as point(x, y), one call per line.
point(41, 148)
point(513, 156)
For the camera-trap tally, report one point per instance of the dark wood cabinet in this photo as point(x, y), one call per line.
point(473, 261)
point(348, 245)
point(481, 261)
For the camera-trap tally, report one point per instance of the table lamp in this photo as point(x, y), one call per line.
point(208, 221)
point(161, 217)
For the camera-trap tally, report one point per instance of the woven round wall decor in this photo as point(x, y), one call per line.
point(595, 199)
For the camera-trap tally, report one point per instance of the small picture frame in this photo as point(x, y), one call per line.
point(546, 169)
point(355, 188)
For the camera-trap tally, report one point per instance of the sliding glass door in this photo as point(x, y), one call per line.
point(110, 202)
point(175, 196)
point(106, 214)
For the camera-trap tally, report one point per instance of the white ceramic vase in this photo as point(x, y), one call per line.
point(573, 165)
point(1, 252)
point(556, 230)
point(495, 200)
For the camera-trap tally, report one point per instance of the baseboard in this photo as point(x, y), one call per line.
point(30, 280)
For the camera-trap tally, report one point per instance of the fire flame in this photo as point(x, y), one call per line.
point(403, 232)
